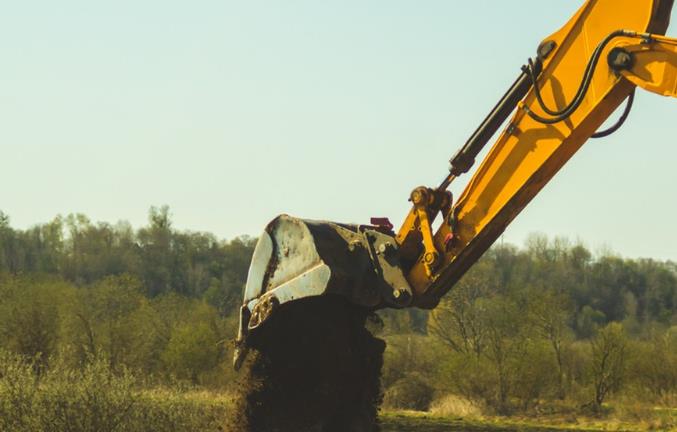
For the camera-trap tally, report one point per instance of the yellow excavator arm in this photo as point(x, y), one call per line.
point(579, 77)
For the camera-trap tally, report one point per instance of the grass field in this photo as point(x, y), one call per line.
point(407, 421)
point(94, 399)
point(421, 423)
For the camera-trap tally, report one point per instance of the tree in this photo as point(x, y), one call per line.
point(6, 240)
point(505, 343)
point(588, 321)
point(157, 257)
point(549, 313)
point(30, 316)
point(113, 319)
point(608, 361)
point(195, 346)
point(458, 321)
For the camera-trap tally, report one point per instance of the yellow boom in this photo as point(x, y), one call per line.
point(536, 144)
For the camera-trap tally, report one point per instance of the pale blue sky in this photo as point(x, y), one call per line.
point(232, 112)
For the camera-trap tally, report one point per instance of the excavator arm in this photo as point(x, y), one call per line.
point(579, 77)
point(566, 104)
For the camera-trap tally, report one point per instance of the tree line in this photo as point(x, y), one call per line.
point(549, 321)
point(155, 299)
point(162, 259)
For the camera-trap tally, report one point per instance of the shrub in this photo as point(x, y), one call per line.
point(410, 392)
point(18, 387)
point(95, 398)
point(409, 353)
point(455, 406)
point(535, 374)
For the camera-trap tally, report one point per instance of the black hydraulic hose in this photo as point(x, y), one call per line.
point(621, 120)
point(575, 103)
point(582, 89)
point(534, 82)
point(537, 91)
point(580, 93)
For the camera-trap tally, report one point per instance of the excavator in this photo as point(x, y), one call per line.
point(578, 78)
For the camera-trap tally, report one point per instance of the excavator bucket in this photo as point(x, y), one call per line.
point(296, 259)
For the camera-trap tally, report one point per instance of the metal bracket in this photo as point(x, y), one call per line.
point(425, 200)
point(383, 251)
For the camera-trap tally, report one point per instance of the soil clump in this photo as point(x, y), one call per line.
point(313, 367)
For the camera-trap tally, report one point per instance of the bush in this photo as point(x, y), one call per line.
point(470, 377)
point(410, 392)
point(653, 369)
point(407, 353)
point(535, 375)
point(18, 387)
point(97, 399)
point(192, 349)
point(455, 406)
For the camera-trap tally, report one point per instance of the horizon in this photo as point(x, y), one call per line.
point(597, 250)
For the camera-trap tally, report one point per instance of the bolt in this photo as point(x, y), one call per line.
point(400, 294)
point(620, 59)
point(545, 48)
point(623, 60)
point(385, 248)
point(429, 258)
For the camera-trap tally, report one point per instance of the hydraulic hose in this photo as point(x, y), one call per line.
point(564, 113)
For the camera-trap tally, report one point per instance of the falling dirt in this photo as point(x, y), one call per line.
point(313, 368)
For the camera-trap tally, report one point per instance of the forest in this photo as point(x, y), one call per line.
point(93, 311)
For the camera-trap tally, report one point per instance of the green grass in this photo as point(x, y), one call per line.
point(96, 399)
point(420, 422)
point(406, 423)
point(662, 419)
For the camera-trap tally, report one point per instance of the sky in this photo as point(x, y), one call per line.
point(231, 112)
